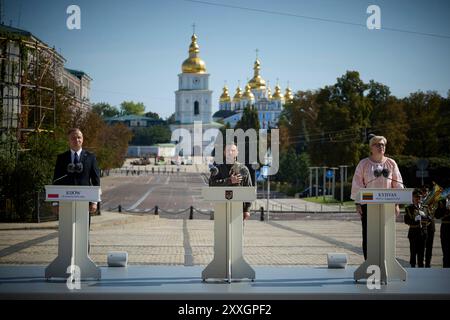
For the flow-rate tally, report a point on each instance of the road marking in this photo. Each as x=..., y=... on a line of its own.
x=137, y=203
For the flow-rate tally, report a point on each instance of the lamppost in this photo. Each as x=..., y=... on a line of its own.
x=268, y=163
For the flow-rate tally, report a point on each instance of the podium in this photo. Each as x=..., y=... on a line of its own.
x=73, y=232
x=228, y=262
x=381, y=232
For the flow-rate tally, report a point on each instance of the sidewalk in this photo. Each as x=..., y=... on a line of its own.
x=106, y=219
x=154, y=240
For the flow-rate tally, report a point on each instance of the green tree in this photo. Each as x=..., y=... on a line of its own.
x=105, y=110
x=423, y=112
x=298, y=122
x=249, y=119
x=171, y=119
x=342, y=118
x=444, y=127
x=109, y=143
x=151, y=135
x=293, y=168
x=130, y=107
x=388, y=117
x=152, y=115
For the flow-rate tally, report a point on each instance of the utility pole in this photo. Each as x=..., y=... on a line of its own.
x=310, y=180
x=334, y=181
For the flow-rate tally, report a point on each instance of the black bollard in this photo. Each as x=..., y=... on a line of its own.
x=156, y=210
x=120, y=208
x=262, y=213
x=191, y=213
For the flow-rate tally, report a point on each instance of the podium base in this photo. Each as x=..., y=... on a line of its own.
x=239, y=270
x=73, y=258
x=381, y=246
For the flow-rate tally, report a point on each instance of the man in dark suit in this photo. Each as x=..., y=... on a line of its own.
x=77, y=166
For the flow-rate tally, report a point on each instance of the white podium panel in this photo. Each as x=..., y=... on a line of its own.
x=73, y=231
x=381, y=233
x=228, y=262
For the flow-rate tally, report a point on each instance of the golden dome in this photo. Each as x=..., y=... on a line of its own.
x=238, y=95
x=193, y=64
x=257, y=82
x=277, y=95
x=225, y=97
x=269, y=91
x=248, y=95
x=288, y=96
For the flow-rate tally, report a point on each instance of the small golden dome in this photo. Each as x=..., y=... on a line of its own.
x=238, y=95
x=257, y=82
x=277, y=95
x=248, y=95
x=225, y=97
x=288, y=96
x=193, y=64
x=269, y=93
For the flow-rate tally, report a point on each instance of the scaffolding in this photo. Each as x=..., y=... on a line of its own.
x=29, y=74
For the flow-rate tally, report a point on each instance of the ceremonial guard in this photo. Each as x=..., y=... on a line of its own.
x=443, y=212
x=418, y=222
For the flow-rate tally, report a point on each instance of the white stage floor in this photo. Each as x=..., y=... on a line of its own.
x=184, y=283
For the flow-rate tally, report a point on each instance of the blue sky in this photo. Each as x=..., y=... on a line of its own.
x=133, y=49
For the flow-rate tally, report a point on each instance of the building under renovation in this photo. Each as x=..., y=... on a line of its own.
x=30, y=72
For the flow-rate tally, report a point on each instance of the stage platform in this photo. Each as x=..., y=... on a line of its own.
x=185, y=283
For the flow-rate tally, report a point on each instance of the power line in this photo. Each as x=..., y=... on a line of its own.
x=436, y=35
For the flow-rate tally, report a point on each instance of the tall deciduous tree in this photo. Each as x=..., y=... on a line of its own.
x=388, y=117
x=298, y=122
x=423, y=112
x=342, y=119
x=130, y=107
x=105, y=110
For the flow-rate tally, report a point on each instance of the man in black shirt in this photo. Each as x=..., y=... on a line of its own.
x=232, y=173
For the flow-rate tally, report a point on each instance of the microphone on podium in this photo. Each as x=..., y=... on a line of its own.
x=383, y=172
x=60, y=178
x=213, y=170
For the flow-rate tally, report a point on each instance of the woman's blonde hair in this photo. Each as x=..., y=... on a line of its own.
x=377, y=139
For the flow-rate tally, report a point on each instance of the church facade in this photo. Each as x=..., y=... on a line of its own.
x=256, y=95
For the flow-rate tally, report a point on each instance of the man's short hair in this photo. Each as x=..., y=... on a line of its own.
x=417, y=193
x=72, y=130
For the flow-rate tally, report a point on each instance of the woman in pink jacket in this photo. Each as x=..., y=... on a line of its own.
x=376, y=171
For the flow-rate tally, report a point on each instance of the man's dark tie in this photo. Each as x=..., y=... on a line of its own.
x=75, y=158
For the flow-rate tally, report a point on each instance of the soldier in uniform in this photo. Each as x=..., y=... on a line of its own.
x=431, y=228
x=418, y=221
x=232, y=173
x=443, y=212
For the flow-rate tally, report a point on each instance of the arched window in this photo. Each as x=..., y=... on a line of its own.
x=196, y=108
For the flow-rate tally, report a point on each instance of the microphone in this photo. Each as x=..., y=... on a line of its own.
x=383, y=172
x=236, y=169
x=75, y=167
x=401, y=182
x=60, y=178
x=213, y=170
